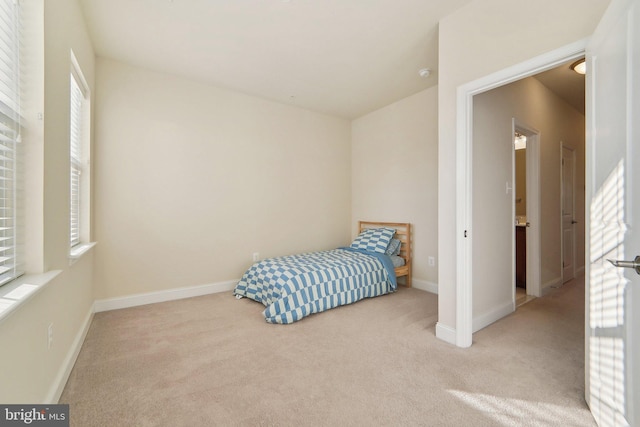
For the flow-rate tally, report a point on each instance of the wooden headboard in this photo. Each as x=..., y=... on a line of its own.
x=403, y=233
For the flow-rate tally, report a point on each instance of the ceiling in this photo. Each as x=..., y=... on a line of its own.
x=344, y=58
x=566, y=83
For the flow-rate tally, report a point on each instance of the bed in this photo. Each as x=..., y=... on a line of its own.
x=295, y=286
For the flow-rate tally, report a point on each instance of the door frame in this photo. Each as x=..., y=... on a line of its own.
x=533, y=286
x=464, y=172
x=573, y=251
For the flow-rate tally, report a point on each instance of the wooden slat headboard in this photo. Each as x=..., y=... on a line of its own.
x=403, y=233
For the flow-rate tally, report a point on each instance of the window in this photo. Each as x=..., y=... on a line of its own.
x=75, y=148
x=9, y=138
x=78, y=148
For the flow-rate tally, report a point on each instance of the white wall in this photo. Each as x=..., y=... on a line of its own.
x=31, y=372
x=394, y=173
x=479, y=39
x=530, y=102
x=191, y=180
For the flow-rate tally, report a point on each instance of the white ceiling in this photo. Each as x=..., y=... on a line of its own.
x=566, y=83
x=341, y=57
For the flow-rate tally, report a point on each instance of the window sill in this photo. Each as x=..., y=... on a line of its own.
x=17, y=292
x=79, y=250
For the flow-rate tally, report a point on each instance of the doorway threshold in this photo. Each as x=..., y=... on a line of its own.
x=522, y=300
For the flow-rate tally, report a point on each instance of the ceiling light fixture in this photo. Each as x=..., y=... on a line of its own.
x=424, y=72
x=580, y=66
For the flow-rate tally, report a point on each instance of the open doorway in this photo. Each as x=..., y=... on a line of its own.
x=469, y=317
x=526, y=200
x=531, y=108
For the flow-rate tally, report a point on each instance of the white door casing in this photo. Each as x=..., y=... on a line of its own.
x=534, y=275
x=464, y=154
x=568, y=164
x=612, y=365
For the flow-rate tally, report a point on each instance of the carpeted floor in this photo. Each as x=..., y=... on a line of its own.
x=213, y=361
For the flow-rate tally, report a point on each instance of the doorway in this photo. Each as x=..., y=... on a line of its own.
x=498, y=114
x=520, y=207
x=526, y=202
x=462, y=335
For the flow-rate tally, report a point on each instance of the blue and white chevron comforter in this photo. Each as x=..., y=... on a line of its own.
x=296, y=286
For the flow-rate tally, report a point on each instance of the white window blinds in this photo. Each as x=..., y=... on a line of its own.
x=9, y=137
x=75, y=144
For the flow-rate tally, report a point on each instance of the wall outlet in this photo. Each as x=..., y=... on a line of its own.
x=50, y=335
x=432, y=261
x=256, y=256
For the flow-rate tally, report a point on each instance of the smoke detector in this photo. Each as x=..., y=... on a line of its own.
x=424, y=72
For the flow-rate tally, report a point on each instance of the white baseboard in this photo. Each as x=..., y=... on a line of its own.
x=425, y=285
x=162, y=296
x=491, y=316
x=67, y=365
x=446, y=333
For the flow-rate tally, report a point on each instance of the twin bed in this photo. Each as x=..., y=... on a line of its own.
x=295, y=286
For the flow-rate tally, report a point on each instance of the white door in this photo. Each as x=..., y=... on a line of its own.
x=613, y=192
x=568, y=214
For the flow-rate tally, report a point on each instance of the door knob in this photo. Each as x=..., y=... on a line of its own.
x=573, y=221
x=635, y=264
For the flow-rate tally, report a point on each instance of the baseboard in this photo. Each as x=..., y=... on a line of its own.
x=446, y=333
x=162, y=296
x=67, y=365
x=491, y=316
x=425, y=285
x=549, y=285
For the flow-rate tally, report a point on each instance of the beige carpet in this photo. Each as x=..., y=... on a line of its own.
x=213, y=361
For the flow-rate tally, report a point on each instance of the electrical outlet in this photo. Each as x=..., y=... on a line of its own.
x=432, y=261
x=256, y=256
x=50, y=335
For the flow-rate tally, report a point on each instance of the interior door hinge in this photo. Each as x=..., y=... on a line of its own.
x=465, y=233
